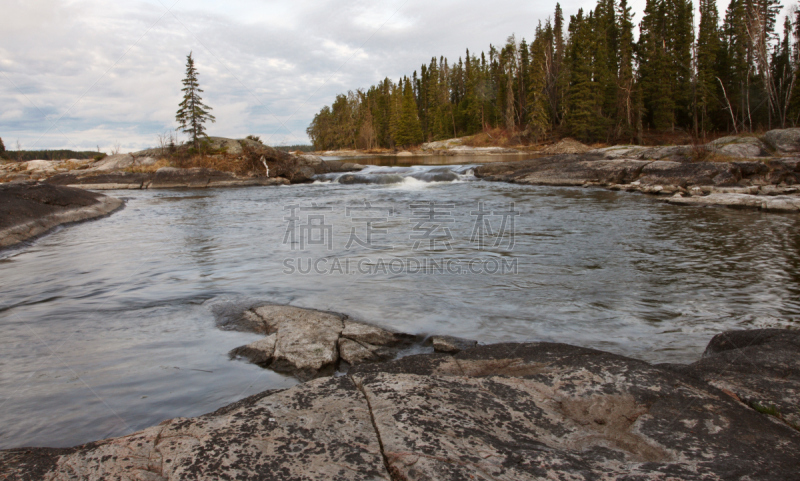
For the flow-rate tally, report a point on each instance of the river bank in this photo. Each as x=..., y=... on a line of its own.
x=505, y=411
x=30, y=210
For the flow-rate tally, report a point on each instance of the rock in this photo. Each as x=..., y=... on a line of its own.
x=782, y=203
x=355, y=353
x=762, y=368
x=685, y=174
x=114, y=163
x=738, y=146
x=566, y=146
x=365, y=333
x=451, y=345
x=673, y=152
x=228, y=146
x=549, y=411
x=441, y=144
x=405, y=153
x=319, y=431
x=468, y=150
x=362, y=343
x=621, y=152
x=261, y=352
x=41, y=165
x=29, y=210
x=784, y=140
x=507, y=411
x=564, y=170
x=307, y=343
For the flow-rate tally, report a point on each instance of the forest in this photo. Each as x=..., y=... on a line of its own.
x=592, y=80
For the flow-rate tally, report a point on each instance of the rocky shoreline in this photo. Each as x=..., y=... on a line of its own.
x=504, y=411
x=768, y=184
x=28, y=210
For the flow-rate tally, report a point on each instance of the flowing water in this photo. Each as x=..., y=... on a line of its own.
x=110, y=326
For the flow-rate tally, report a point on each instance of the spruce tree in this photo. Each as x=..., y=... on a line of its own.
x=582, y=119
x=625, y=81
x=538, y=115
x=409, y=131
x=193, y=113
x=708, y=44
x=655, y=70
x=2, y=148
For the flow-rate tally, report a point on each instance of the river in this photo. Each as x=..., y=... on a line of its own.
x=110, y=326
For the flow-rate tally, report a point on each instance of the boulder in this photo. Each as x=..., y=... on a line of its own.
x=41, y=165
x=306, y=340
x=738, y=146
x=451, y=345
x=784, y=140
x=307, y=343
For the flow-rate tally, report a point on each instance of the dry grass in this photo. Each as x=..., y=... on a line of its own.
x=147, y=169
x=492, y=138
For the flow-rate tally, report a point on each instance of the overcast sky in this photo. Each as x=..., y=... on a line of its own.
x=84, y=73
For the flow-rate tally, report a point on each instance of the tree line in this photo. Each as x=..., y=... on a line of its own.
x=589, y=79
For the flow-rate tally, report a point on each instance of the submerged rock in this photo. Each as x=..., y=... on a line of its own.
x=507, y=411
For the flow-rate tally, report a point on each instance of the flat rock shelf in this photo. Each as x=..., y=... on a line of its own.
x=504, y=411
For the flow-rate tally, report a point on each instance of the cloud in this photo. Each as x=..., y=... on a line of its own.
x=82, y=73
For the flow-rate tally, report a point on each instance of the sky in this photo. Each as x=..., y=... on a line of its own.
x=89, y=75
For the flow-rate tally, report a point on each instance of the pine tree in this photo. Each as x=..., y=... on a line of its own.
x=2, y=148
x=193, y=113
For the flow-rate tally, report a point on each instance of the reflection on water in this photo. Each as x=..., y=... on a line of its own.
x=108, y=326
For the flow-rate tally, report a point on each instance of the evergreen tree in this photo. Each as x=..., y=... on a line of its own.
x=625, y=80
x=409, y=131
x=655, y=72
x=582, y=119
x=538, y=117
x=2, y=148
x=708, y=45
x=193, y=113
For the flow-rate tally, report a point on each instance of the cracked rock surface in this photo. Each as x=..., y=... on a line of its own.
x=501, y=412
